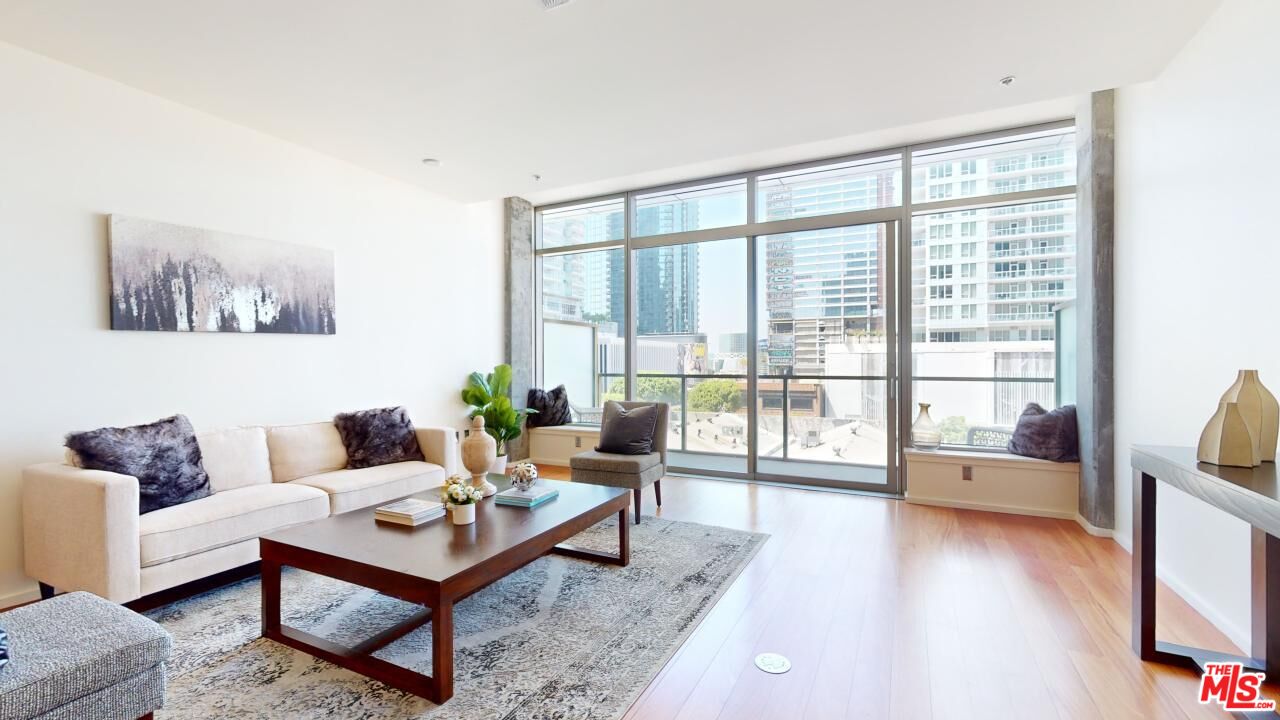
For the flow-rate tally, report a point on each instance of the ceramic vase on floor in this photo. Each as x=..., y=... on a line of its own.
x=924, y=431
x=1227, y=439
x=1259, y=409
x=478, y=452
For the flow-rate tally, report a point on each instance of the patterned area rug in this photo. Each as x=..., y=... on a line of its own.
x=559, y=638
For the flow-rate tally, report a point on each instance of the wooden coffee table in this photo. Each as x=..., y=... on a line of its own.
x=434, y=565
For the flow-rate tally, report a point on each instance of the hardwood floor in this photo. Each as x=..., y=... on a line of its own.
x=890, y=610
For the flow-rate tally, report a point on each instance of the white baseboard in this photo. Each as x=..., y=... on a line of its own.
x=1008, y=509
x=1238, y=635
x=1094, y=529
x=19, y=598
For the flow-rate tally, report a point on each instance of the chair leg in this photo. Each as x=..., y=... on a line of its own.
x=46, y=591
x=657, y=491
x=636, y=492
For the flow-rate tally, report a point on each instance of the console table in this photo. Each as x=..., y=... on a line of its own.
x=1251, y=494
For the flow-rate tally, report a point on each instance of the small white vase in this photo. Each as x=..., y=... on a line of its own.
x=499, y=465
x=924, y=432
x=463, y=514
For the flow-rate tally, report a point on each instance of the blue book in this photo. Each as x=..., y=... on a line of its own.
x=501, y=500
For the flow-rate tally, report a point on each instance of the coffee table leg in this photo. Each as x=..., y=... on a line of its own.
x=624, y=538
x=270, y=599
x=442, y=649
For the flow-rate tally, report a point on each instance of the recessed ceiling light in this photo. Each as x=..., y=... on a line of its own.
x=431, y=162
x=1008, y=80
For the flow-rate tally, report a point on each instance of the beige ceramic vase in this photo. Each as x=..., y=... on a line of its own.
x=1259, y=409
x=1227, y=439
x=478, y=451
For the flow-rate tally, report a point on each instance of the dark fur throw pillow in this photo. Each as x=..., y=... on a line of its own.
x=378, y=437
x=552, y=407
x=164, y=456
x=1048, y=435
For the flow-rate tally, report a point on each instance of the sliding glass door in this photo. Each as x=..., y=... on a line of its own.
x=823, y=384
x=691, y=349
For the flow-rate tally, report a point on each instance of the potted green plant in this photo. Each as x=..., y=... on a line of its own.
x=489, y=396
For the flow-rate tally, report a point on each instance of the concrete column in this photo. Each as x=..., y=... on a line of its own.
x=517, y=230
x=1095, y=293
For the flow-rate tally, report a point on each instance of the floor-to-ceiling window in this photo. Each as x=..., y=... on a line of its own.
x=987, y=273
x=790, y=316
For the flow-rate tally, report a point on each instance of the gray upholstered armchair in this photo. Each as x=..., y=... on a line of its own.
x=627, y=471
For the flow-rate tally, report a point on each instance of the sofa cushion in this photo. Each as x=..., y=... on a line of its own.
x=301, y=450
x=235, y=458
x=378, y=437
x=609, y=462
x=225, y=518
x=618, y=479
x=164, y=456
x=353, y=489
x=71, y=646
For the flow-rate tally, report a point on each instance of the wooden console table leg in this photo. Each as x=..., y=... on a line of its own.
x=1144, y=566
x=1266, y=601
x=442, y=650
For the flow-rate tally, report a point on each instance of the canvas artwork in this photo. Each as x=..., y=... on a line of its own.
x=184, y=279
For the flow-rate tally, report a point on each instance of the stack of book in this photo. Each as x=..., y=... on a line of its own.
x=410, y=511
x=531, y=498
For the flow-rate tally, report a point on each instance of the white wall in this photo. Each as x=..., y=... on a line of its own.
x=1197, y=253
x=418, y=291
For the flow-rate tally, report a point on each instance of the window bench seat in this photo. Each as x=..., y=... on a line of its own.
x=998, y=482
x=555, y=445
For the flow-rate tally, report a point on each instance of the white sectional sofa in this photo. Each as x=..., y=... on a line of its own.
x=82, y=529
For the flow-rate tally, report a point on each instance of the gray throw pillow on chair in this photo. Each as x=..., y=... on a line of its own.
x=627, y=432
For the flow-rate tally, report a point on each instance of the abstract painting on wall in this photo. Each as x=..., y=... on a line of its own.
x=183, y=279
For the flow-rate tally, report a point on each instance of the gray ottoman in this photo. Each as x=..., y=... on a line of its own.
x=79, y=657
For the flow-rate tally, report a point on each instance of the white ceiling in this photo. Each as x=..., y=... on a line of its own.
x=501, y=89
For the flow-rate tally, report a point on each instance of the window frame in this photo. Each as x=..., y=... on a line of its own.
x=903, y=212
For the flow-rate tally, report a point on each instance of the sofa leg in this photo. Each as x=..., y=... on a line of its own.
x=657, y=491
x=46, y=591
x=637, y=494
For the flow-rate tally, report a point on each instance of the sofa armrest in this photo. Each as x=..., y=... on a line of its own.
x=80, y=530
x=440, y=446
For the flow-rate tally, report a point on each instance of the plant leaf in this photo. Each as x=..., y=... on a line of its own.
x=500, y=380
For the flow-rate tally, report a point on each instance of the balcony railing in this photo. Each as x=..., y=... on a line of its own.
x=1031, y=272
x=1030, y=251
x=1028, y=230
x=1020, y=316
x=787, y=431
